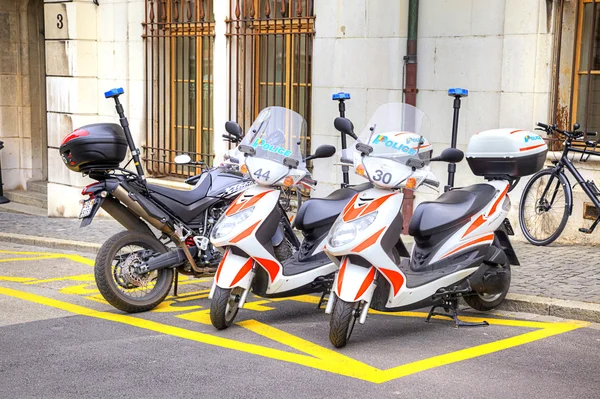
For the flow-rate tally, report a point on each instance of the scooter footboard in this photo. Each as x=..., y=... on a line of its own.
x=354, y=282
x=234, y=271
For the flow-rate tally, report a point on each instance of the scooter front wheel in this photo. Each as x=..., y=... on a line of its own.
x=224, y=306
x=342, y=322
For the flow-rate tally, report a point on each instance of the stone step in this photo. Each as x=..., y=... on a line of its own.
x=28, y=198
x=38, y=186
x=15, y=207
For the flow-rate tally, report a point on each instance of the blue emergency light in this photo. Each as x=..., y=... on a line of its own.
x=114, y=92
x=341, y=96
x=458, y=92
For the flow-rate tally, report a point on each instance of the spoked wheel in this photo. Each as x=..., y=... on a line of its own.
x=485, y=302
x=224, y=306
x=343, y=319
x=543, y=211
x=116, y=276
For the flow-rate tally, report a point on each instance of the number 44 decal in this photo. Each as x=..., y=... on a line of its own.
x=260, y=175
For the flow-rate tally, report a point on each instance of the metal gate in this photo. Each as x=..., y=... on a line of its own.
x=179, y=37
x=270, y=57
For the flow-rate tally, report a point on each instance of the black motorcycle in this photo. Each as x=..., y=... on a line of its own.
x=167, y=229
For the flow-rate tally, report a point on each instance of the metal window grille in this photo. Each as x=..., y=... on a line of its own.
x=179, y=37
x=270, y=58
x=586, y=98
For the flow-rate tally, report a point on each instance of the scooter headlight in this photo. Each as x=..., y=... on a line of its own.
x=344, y=232
x=226, y=224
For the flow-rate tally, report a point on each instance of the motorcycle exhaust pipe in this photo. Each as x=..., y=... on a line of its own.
x=170, y=259
x=122, y=195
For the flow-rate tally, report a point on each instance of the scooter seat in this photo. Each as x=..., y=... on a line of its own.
x=318, y=212
x=450, y=210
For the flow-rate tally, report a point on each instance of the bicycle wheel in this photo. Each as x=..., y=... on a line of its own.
x=544, y=209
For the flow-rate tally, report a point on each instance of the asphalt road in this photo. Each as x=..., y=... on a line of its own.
x=58, y=339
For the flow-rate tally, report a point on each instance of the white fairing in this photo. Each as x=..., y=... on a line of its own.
x=369, y=224
x=235, y=271
x=266, y=172
x=479, y=232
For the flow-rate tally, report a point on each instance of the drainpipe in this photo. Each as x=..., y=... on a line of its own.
x=410, y=91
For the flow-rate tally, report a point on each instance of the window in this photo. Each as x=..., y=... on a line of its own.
x=586, y=99
x=179, y=38
x=270, y=57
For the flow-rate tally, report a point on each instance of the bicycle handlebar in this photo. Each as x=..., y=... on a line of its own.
x=572, y=135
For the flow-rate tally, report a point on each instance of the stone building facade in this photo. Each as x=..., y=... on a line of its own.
x=187, y=66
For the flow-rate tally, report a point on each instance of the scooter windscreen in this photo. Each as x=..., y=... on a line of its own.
x=391, y=151
x=273, y=147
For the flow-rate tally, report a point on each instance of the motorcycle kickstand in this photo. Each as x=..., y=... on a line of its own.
x=451, y=308
x=176, y=283
x=321, y=300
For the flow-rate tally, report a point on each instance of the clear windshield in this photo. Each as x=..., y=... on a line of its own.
x=276, y=134
x=395, y=131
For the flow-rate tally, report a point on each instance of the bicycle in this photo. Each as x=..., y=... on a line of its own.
x=547, y=200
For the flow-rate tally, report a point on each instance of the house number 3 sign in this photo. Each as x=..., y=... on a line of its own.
x=59, y=21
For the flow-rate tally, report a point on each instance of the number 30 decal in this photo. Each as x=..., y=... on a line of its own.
x=385, y=178
x=260, y=175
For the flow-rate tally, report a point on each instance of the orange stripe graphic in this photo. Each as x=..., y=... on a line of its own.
x=395, y=278
x=245, y=233
x=238, y=206
x=270, y=266
x=366, y=284
x=488, y=237
x=243, y=271
x=368, y=242
x=531, y=148
x=341, y=275
x=498, y=201
x=221, y=264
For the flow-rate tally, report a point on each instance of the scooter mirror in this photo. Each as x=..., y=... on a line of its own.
x=453, y=155
x=345, y=126
x=234, y=129
x=183, y=159
x=324, y=151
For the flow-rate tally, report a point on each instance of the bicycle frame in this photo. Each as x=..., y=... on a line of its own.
x=559, y=169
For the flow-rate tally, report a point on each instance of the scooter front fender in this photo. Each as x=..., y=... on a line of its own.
x=354, y=282
x=234, y=271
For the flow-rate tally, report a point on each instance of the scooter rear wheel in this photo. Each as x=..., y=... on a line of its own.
x=342, y=321
x=224, y=306
x=485, y=302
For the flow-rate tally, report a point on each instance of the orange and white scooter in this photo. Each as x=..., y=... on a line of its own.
x=255, y=233
x=461, y=246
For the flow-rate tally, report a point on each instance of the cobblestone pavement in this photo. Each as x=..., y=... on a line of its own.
x=67, y=229
x=557, y=271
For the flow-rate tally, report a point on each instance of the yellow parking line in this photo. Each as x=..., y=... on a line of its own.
x=259, y=350
x=16, y=279
x=314, y=356
x=30, y=258
x=480, y=350
x=79, y=277
x=3, y=251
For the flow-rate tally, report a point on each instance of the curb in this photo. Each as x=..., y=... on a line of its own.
x=55, y=243
x=563, y=308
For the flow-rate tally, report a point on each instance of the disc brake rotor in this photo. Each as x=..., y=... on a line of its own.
x=126, y=275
